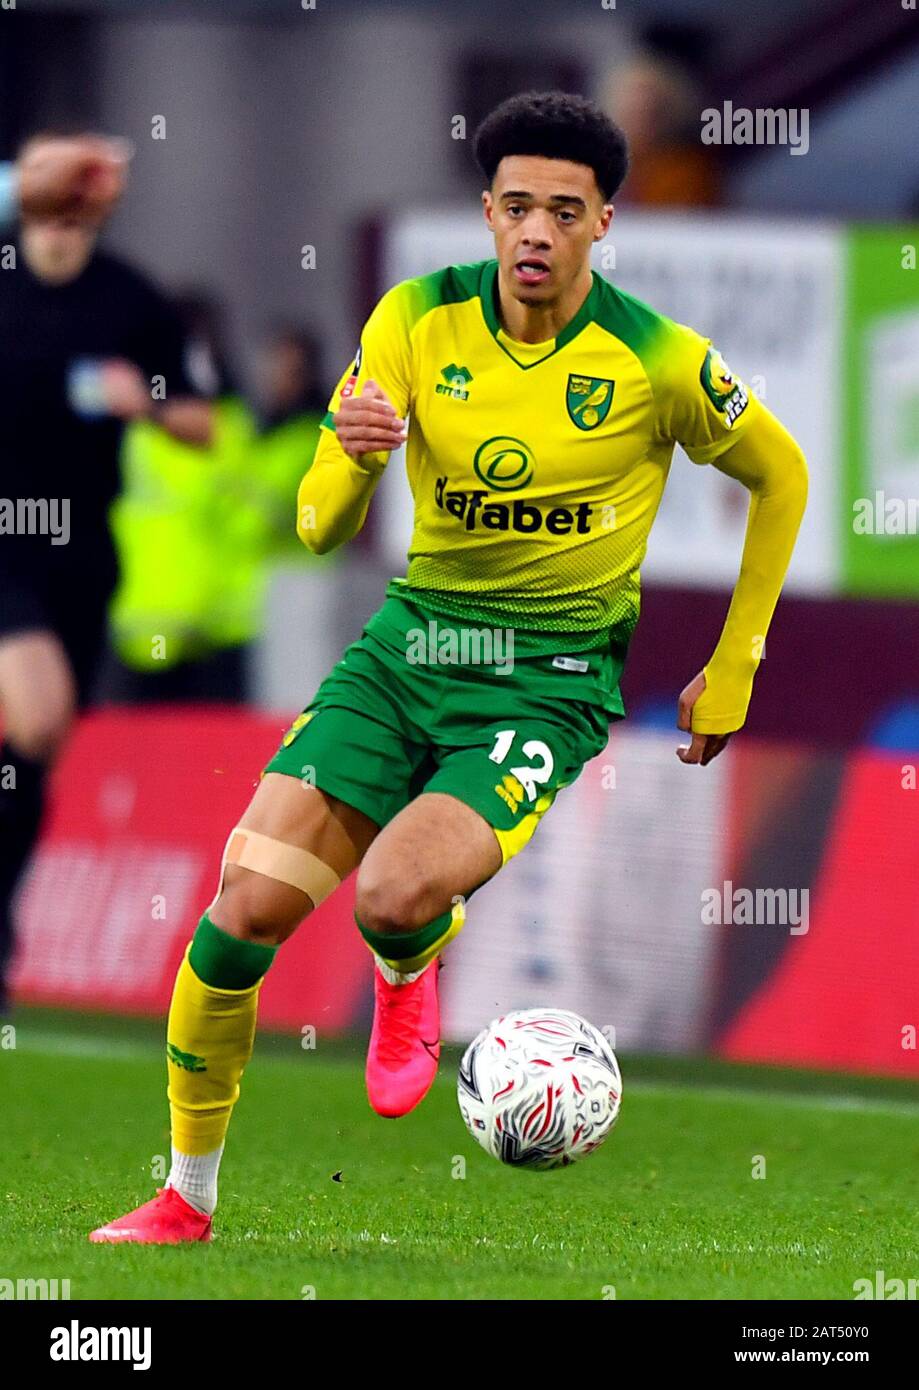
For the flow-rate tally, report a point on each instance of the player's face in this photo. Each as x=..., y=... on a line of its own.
x=545, y=214
x=56, y=248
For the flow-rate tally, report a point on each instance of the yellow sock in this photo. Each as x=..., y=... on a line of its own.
x=210, y=1034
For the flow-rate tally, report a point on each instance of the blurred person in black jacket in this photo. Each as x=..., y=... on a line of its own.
x=88, y=344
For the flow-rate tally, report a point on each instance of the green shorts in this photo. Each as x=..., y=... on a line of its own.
x=412, y=708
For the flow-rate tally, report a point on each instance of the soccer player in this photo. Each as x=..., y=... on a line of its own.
x=540, y=406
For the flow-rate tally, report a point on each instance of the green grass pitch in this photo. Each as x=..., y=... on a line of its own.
x=668, y=1209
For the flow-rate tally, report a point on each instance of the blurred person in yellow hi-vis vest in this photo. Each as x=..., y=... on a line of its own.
x=291, y=405
x=197, y=535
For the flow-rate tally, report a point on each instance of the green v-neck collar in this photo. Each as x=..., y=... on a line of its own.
x=488, y=293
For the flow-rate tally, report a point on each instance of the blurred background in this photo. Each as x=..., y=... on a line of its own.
x=290, y=163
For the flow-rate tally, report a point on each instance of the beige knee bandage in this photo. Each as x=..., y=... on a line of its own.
x=286, y=863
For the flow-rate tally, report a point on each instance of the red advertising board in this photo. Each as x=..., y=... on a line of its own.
x=601, y=913
x=846, y=993
x=141, y=807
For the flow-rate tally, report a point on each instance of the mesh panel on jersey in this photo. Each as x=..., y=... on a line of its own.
x=583, y=588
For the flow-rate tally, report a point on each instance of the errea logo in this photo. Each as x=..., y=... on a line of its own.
x=455, y=381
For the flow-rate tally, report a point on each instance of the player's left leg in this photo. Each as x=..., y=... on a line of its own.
x=409, y=903
x=481, y=807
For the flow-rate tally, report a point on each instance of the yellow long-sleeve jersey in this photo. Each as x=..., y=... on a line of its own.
x=537, y=468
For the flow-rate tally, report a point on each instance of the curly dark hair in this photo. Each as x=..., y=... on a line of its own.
x=556, y=125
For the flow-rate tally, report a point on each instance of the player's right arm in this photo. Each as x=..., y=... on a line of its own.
x=366, y=421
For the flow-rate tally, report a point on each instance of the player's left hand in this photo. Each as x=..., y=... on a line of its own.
x=703, y=747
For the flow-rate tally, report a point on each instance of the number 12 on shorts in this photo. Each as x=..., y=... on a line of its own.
x=529, y=777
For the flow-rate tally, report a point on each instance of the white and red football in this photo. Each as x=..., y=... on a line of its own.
x=539, y=1088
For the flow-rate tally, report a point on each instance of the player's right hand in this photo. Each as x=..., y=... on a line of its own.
x=79, y=176
x=368, y=423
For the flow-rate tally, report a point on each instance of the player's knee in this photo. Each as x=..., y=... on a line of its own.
x=391, y=902
x=255, y=908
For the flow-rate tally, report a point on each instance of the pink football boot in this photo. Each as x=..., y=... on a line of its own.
x=404, y=1044
x=165, y=1220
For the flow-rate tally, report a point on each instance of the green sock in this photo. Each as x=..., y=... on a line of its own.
x=223, y=961
x=404, y=945
x=413, y=950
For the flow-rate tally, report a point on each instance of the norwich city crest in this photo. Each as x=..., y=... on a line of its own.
x=588, y=399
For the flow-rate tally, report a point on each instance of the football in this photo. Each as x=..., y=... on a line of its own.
x=539, y=1088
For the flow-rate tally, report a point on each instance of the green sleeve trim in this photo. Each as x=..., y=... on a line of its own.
x=631, y=320
x=454, y=284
